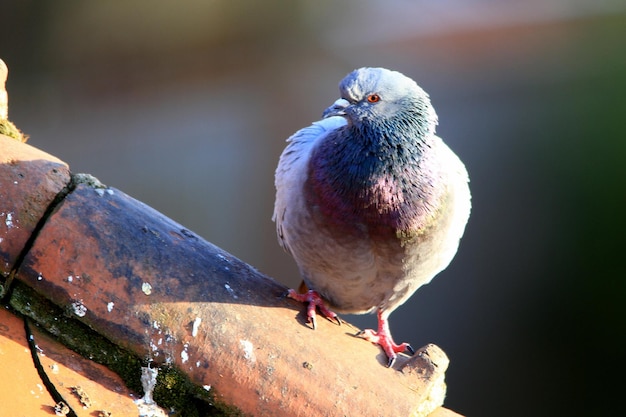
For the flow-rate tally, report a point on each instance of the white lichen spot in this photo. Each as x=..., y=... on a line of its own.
x=79, y=309
x=230, y=291
x=207, y=387
x=149, y=410
x=196, y=325
x=198, y=363
x=54, y=368
x=39, y=276
x=110, y=306
x=248, y=350
x=9, y=220
x=148, y=382
x=184, y=354
x=70, y=278
x=1, y=239
x=146, y=288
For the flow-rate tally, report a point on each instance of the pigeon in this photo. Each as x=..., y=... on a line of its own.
x=370, y=203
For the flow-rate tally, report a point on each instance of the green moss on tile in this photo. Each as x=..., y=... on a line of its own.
x=174, y=390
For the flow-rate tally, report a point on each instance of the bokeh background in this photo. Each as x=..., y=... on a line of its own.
x=186, y=106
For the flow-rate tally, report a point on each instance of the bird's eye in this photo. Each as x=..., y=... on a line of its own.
x=373, y=98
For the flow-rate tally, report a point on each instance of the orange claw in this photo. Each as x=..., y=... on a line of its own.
x=313, y=299
x=383, y=338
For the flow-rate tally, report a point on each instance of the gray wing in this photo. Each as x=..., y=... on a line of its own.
x=291, y=172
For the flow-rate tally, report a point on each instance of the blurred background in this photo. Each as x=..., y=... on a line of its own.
x=186, y=106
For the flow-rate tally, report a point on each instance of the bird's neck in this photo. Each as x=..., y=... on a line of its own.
x=368, y=176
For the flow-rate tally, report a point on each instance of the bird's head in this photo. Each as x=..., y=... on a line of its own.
x=378, y=95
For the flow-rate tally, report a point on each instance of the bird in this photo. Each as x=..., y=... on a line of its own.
x=370, y=202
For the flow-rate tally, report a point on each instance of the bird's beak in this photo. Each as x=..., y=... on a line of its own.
x=337, y=109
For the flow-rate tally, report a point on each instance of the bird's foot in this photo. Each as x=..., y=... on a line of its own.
x=383, y=338
x=314, y=300
x=386, y=343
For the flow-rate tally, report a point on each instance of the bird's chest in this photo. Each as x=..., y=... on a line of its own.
x=383, y=194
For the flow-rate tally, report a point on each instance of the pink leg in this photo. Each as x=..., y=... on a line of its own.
x=313, y=299
x=383, y=338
